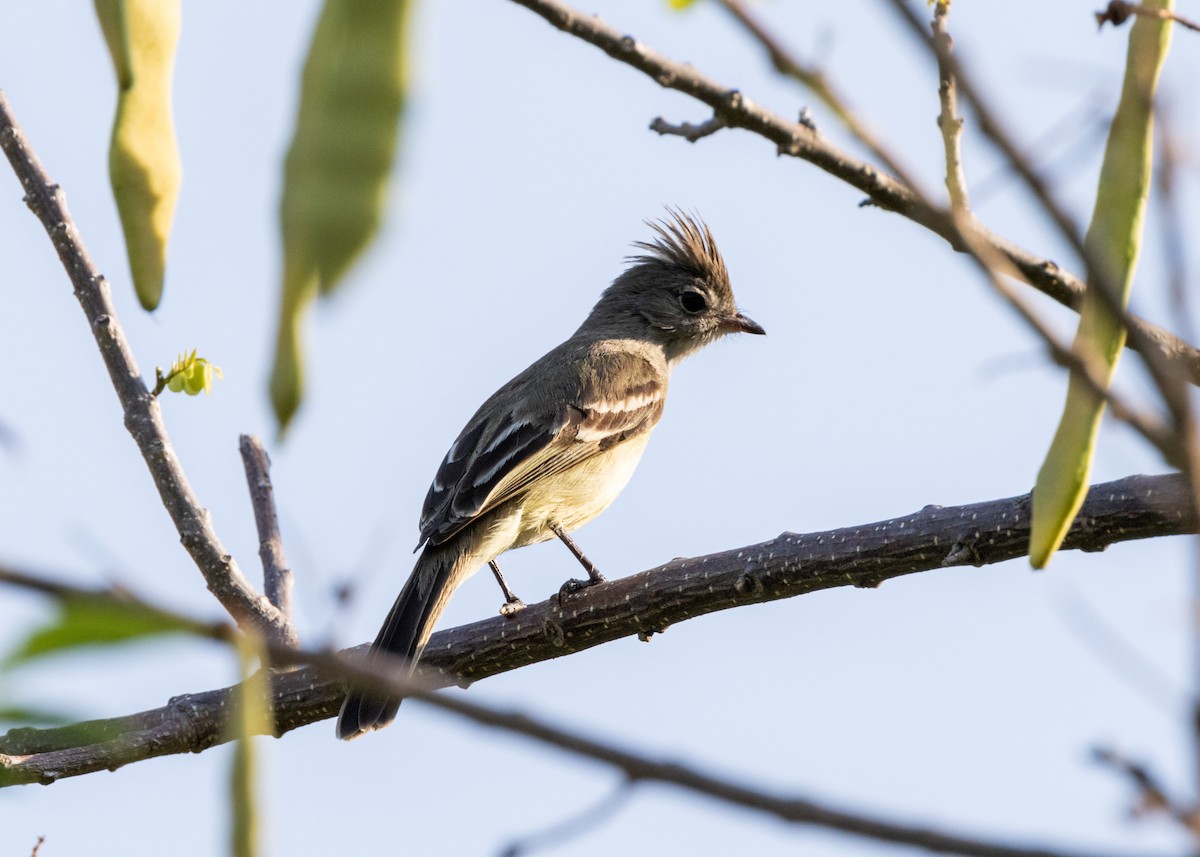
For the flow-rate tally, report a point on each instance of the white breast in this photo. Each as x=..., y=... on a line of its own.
x=574, y=497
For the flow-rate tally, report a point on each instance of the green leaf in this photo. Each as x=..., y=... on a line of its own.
x=335, y=175
x=679, y=5
x=100, y=620
x=1113, y=242
x=189, y=374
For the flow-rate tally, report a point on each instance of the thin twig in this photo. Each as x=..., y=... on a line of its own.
x=1152, y=796
x=970, y=239
x=798, y=140
x=277, y=577
x=143, y=417
x=949, y=122
x=567, y=830
x=1159, y=359
x=687, y=130
x=815, y=81
x=1160, y=436
x=1118, y=12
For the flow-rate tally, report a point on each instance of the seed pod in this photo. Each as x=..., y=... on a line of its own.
x=1113, y=242
x=143, y=159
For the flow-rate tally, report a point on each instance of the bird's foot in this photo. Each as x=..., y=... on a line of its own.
x=511, y=608
x=575, y=585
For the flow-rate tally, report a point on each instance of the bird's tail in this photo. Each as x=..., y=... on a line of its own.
x=438, y=572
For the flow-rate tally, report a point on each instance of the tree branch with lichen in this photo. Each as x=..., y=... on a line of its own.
x=642, y=605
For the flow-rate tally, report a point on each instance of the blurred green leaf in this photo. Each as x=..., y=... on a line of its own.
x=335, y=175
x=27, y=716
x=250, y=715
x=99, y=620
x=1113, y=242
x=680, y=4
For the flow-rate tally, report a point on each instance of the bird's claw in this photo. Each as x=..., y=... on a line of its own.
x=575, y=585
x=511, y=608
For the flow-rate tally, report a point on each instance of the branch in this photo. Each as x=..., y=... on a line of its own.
x=392, y=676
x=948, y=121
x=277, y=577
x=1151, y=795
x=687, y=130
x=642, y=604
x=143, y=417
x=1117, y=12
x=798, y=140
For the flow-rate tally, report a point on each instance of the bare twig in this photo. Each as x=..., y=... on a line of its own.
x=801, y=141
x=970, y=239
x=790, y=565
x=37, y=846
x=584, y=821
x=143, y=418
x=1118, y=12
x=1172, y=231
x=1152, y=796
x=1160, y=361
x=949, y=122
x=1082, y=128
x=815, y=81
x=687, y=130
x=277, y=577
x=1160, y=436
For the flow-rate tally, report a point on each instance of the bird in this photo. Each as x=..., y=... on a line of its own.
x=552, y=448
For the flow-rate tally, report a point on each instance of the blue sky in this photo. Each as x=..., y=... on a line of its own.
x=891, y=378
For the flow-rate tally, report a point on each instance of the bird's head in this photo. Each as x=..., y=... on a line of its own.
x=677, y=289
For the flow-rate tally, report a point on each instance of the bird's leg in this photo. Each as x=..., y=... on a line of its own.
x=512, y=604
x=573, y=585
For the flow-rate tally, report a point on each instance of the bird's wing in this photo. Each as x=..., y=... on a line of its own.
x=505, y=450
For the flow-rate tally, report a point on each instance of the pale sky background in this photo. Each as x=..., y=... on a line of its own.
x=891, y=378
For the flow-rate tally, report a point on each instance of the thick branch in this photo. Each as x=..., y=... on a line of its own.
x=649, y=602
x=801, y=141
x=143, y=418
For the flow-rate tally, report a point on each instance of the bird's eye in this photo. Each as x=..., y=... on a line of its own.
x=693, y=302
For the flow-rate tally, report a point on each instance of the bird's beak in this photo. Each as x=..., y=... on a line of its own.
x=741, y=324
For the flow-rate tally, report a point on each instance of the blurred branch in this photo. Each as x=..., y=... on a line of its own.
x=392, y=675
x=799, y=140
x=1118, y=12
x=584, y=821
x=1169, y=375
x=814, y=80
x=1152, y=797
x=143, y=417
x=972, y=241
x=687, y=130
x=277, y=577
x=649, y=602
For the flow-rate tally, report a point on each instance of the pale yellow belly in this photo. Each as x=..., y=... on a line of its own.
x=573, y=498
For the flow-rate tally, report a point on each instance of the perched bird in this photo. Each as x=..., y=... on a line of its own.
x=552, y=448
